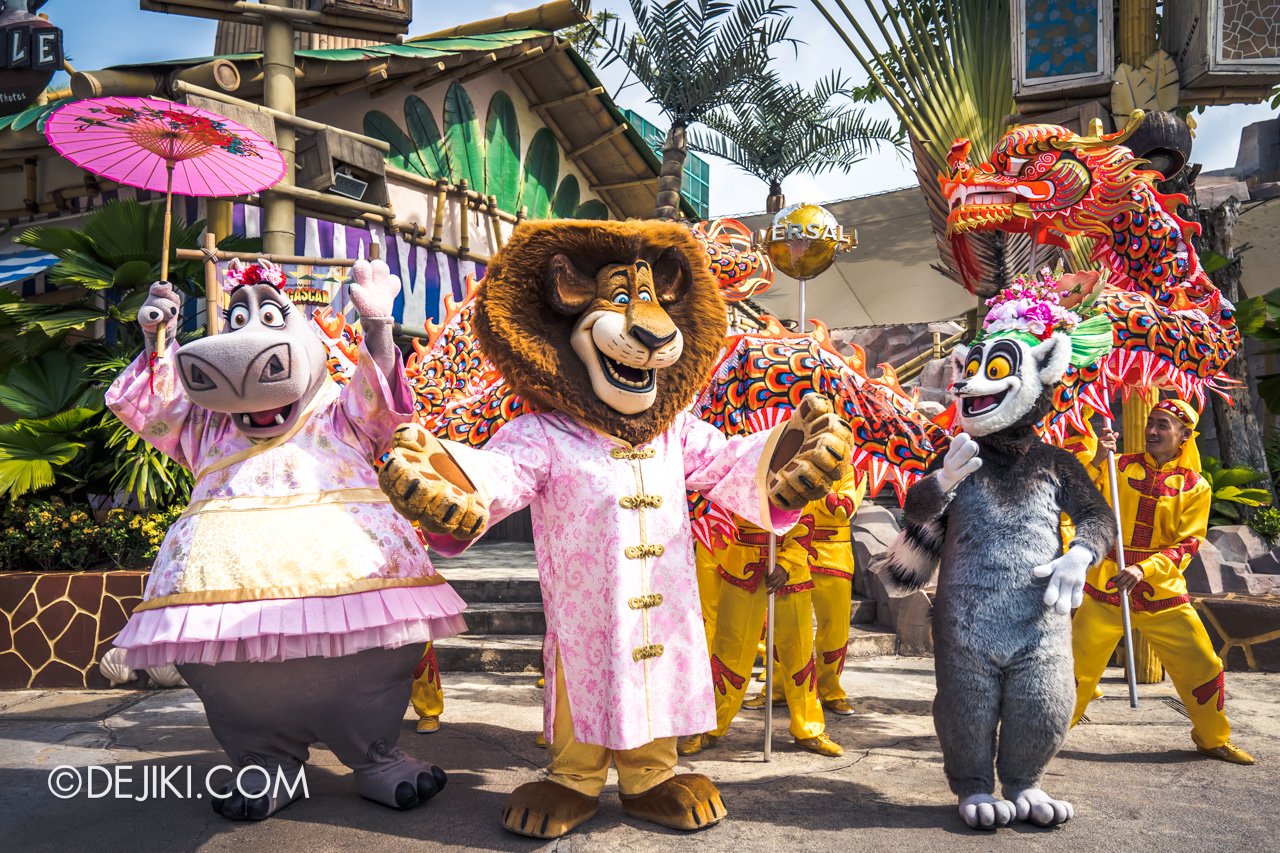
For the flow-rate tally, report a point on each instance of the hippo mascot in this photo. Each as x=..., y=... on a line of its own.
x=292, y=597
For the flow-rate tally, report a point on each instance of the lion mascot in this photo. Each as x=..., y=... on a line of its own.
x=609, y=330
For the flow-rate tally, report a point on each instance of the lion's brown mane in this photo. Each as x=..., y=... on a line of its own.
x=528, y=340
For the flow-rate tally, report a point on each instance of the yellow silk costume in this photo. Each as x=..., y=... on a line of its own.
x=830, y=552
x=739, y=615
x=1164, y=510
x=427, y=694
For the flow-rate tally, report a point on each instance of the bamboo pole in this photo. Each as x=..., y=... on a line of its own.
x=212, y=287
x=1137, y=37
x=253, y=257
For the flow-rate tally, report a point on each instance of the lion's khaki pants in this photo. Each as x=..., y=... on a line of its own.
x=583, y=767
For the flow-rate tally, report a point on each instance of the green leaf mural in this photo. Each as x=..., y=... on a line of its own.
x=566, y=203
x=541, y=170
x=403, y=153
x=502, y=152
x=491, y=164
x=426, y=137
x=593, y=209
x=462, y=137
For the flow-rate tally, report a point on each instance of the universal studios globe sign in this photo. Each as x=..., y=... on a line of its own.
x=804, y=239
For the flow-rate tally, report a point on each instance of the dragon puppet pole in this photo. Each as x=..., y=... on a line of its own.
x=1125, y=620
x=768, y=622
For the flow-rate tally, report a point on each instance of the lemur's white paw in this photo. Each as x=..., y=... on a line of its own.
x=983, y=811
x=1039, y=808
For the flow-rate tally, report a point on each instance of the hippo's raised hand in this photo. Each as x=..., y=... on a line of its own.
x=159, y=309
x=425, y=485
x=374, y=290
x=813, y=453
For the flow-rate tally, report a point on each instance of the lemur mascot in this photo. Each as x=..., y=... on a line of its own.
x=991, y=512
x=609, y=329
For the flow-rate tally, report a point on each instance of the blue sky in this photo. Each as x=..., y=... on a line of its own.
x=100, y=33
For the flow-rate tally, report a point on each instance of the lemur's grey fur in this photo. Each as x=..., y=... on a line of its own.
x=1002, y=657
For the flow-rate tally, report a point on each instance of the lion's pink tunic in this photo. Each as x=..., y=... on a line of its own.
x=291, y=550
x=635, y=669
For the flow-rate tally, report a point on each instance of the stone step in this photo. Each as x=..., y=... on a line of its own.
x=868, y=641
x=504, y=617
x=493, y=572
x=490, y=653
x=864, y=611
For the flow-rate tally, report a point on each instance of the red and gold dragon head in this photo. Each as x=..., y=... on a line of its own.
x=1042, y=176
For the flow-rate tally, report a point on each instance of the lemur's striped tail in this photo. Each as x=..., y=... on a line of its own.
x=914, y=554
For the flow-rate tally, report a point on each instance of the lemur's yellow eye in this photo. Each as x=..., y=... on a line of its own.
x=971, y=369
x=998, y=368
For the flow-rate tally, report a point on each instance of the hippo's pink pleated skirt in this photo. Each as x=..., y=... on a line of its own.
x=285, y=629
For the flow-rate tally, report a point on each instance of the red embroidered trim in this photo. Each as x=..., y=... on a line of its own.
x=1137, y=598
x=796, y=587
x=721, y=674
x=835, y=573
x=1217, y=684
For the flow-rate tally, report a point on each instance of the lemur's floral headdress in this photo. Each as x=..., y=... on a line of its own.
x=263, y=272
x=1034, y=309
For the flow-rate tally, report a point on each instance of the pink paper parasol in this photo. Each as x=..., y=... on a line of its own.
x=159, y=145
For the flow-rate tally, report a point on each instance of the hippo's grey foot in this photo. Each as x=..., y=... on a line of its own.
x=234, y=805
x=401, y=784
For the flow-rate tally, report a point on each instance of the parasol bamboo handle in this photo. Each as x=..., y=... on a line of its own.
x=168, y=219
x=159, y=350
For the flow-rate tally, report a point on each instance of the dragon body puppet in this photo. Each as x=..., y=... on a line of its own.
x=1171, y=326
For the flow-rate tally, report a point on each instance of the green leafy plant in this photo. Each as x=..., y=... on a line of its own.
x=695, y=57
x=1266, y=523
x=57, y=405
x=488, y=158
x=42, y=535
x=1230, y=496
x=1259, y=318
x=109, y=262
x=47, y=536
x=131, y=539
x=783, y=130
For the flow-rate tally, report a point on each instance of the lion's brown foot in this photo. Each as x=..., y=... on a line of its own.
x=546, y=810
x=689, y=801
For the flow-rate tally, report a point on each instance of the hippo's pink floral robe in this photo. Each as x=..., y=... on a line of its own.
x=288, y=548
x=615, y=559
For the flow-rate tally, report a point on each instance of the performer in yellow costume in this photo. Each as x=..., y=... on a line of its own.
x=427, y=694
x=1164, y=511
x=823, y=532
x=738, y=615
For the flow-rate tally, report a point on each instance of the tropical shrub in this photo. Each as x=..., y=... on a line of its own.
x=1230, y=498
x=1266, y=523
x=110, y=262
x=43, y=535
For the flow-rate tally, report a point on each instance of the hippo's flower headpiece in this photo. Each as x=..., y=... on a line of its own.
x=263, y=272
x=1034, y=309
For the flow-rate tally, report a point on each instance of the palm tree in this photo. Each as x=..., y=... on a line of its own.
x=695, y=57
x=784, y=129
x=945, y=72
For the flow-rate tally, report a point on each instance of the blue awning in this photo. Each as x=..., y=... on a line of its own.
x=20, y=264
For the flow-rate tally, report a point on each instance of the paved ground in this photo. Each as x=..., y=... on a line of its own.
x=1134, y=780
